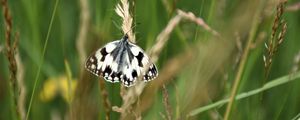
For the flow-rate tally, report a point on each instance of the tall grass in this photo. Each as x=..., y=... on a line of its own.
x=209, y=54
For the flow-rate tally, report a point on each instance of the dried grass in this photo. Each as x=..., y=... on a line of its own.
x=293, y=8
x=83, y=91
x=276, y=38
x=1, y=48
x=105, y=100
x=11, y=50
x=21, y=85
x=122, y=9
x=83, y=30
x=163, y=37
x=167, y=103
x=242, y=63
x=296, y=63
x=131, y=95
x=169, y=71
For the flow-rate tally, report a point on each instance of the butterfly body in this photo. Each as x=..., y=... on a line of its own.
x=122, y=61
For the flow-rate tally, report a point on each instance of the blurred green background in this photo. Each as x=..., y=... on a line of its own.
x=197, y=67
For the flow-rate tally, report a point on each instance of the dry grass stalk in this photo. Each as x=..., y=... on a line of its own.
x=293, y=8
x=83, y=30
x=122, y=9
x=169, y=71
x=239, y=47
x=167, y=103
x=169, y=6
x=163, y=116
x=164, y=35
x=1, y=48
x=83, y=90
x=296, y=63
x=10, y=54
x=132, y=94
x=83, y=94
x=276, y=38
x=21, y=85
x=243, y=61
x=199, y=21
x=105, y=100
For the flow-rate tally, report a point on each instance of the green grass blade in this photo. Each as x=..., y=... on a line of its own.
x=69, y=76
x=297, y=117
x=42, y=59
x=267, y=86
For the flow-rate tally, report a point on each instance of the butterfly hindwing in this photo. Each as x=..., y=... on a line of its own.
x=129, y=77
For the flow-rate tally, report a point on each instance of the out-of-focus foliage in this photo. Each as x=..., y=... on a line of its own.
x=204, y=78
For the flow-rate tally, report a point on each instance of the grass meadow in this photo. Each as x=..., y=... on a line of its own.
x=217, y=59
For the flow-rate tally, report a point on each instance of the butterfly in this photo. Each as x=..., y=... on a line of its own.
x=123, y=61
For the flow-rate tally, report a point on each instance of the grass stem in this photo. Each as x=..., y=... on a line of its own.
x=273, y=83
x=242, y=64
x=42, y=59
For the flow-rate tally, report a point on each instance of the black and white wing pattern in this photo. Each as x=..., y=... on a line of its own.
x=121, y=61
x=101, y=63
x=141, y=61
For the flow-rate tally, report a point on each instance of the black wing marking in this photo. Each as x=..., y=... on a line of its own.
x=101, y=63
x=140, y=61
x=129, y=75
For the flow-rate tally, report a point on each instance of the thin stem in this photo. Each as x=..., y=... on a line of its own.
x=10, y=54
x=83, y=30
x=42, y=59
x=273, y=83
x=242, y=64
x=167, y=103
x=105, y=100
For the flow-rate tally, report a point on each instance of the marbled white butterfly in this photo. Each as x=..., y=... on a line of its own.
x=122, y=61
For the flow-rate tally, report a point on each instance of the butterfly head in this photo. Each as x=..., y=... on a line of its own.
x=125, y=38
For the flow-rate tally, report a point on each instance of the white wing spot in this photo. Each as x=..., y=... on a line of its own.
x=135, y=50
x=109, y=47
x=114, y=67
x=145, y=61
x=107, y=62
x=93, y=66
x=98, y=57
x=92, y=59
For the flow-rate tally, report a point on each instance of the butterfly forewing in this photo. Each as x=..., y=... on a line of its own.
x=140, y=62
x=101, y=63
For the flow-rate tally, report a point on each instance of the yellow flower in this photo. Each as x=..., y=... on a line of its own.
x=58, y=86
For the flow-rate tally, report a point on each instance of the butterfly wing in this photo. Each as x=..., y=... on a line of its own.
x=101, y=63
x=140, y=62
x=119, y=61
x=129, y=72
